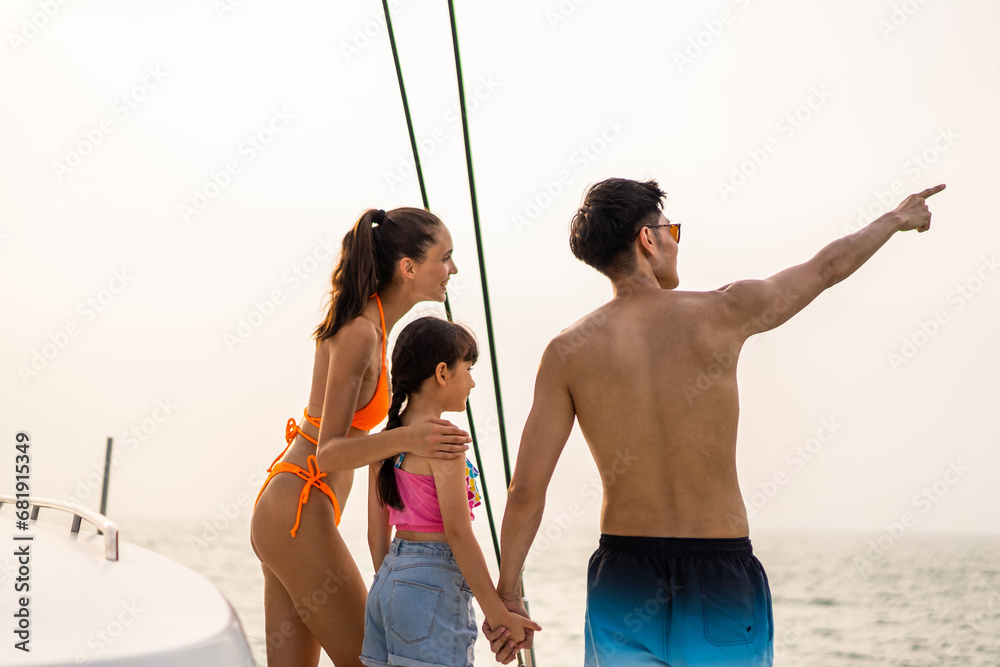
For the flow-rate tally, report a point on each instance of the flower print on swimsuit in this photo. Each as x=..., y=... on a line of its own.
x=472, y=475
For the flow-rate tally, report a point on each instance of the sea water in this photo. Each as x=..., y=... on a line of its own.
x=839, y=599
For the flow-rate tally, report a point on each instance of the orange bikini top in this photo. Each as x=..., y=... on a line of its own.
x=377, y=409
x=367, y=417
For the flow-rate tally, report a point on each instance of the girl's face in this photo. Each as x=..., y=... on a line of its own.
x=432, y=274
x=459, y=384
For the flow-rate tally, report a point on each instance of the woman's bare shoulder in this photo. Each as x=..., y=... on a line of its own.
x=351, y=349
x=358, y=337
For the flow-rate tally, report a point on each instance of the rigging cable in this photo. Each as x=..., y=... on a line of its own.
x=486, y=295
x=447, y=304
x=482, y=273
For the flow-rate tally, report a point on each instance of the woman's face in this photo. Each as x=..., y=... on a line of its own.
x=431, y=275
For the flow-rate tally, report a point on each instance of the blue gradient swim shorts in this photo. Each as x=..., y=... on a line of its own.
x=682, y=602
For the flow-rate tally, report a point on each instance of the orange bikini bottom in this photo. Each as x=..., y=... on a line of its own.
x=312, y=477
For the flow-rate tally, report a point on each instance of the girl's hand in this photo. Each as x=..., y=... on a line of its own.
x=438, y=438
x=518, y=626
x=500, y=640
x=500, y=643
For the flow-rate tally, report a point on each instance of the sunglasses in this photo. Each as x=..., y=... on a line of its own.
x=674, y=227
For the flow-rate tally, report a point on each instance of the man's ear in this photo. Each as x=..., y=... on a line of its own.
x=647, y=239
x=441, y=374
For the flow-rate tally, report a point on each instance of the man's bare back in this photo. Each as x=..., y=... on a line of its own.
x=667, y=455
x=651, y=377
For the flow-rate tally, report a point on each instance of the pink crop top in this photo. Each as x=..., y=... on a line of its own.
x=421, y=512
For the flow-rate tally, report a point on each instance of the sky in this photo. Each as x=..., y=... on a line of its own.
x=175, y=180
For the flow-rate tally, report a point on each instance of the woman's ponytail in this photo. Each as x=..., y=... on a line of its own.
x=368, y=258
x=386, y=487
x=355, y=278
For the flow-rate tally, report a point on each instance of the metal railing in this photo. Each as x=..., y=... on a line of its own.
x=103, y=524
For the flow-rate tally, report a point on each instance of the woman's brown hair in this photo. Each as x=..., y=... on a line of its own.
x=368, y=259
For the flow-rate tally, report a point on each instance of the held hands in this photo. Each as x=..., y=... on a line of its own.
x=438, y=438
x=504, y=642
x=520, y=627
x=913, y=212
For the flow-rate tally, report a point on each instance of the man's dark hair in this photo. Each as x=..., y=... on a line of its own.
x=613, y=211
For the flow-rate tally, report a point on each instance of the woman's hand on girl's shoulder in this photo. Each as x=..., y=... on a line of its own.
x=437, y=438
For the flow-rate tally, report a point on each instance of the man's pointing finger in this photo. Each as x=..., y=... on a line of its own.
x=931, y=191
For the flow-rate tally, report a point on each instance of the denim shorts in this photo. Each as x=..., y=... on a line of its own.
x=419, y=611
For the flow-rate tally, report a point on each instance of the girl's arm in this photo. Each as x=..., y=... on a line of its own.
x=449, y=481
x=379, y=530
x=351, y=352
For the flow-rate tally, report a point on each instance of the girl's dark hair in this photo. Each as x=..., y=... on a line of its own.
x=613, y=211
x=368, y=259
x=420, y=347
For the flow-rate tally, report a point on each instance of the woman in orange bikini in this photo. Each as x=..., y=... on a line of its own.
x=314, y=595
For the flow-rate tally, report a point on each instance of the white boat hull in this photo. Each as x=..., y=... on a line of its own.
x=141, y=610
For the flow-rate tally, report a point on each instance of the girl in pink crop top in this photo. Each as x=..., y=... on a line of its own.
x=430, y=502
x=421, y=512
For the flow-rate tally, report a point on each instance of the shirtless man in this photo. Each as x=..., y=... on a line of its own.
x=674, y=580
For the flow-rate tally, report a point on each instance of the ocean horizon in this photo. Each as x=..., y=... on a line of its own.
x=839, y=598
